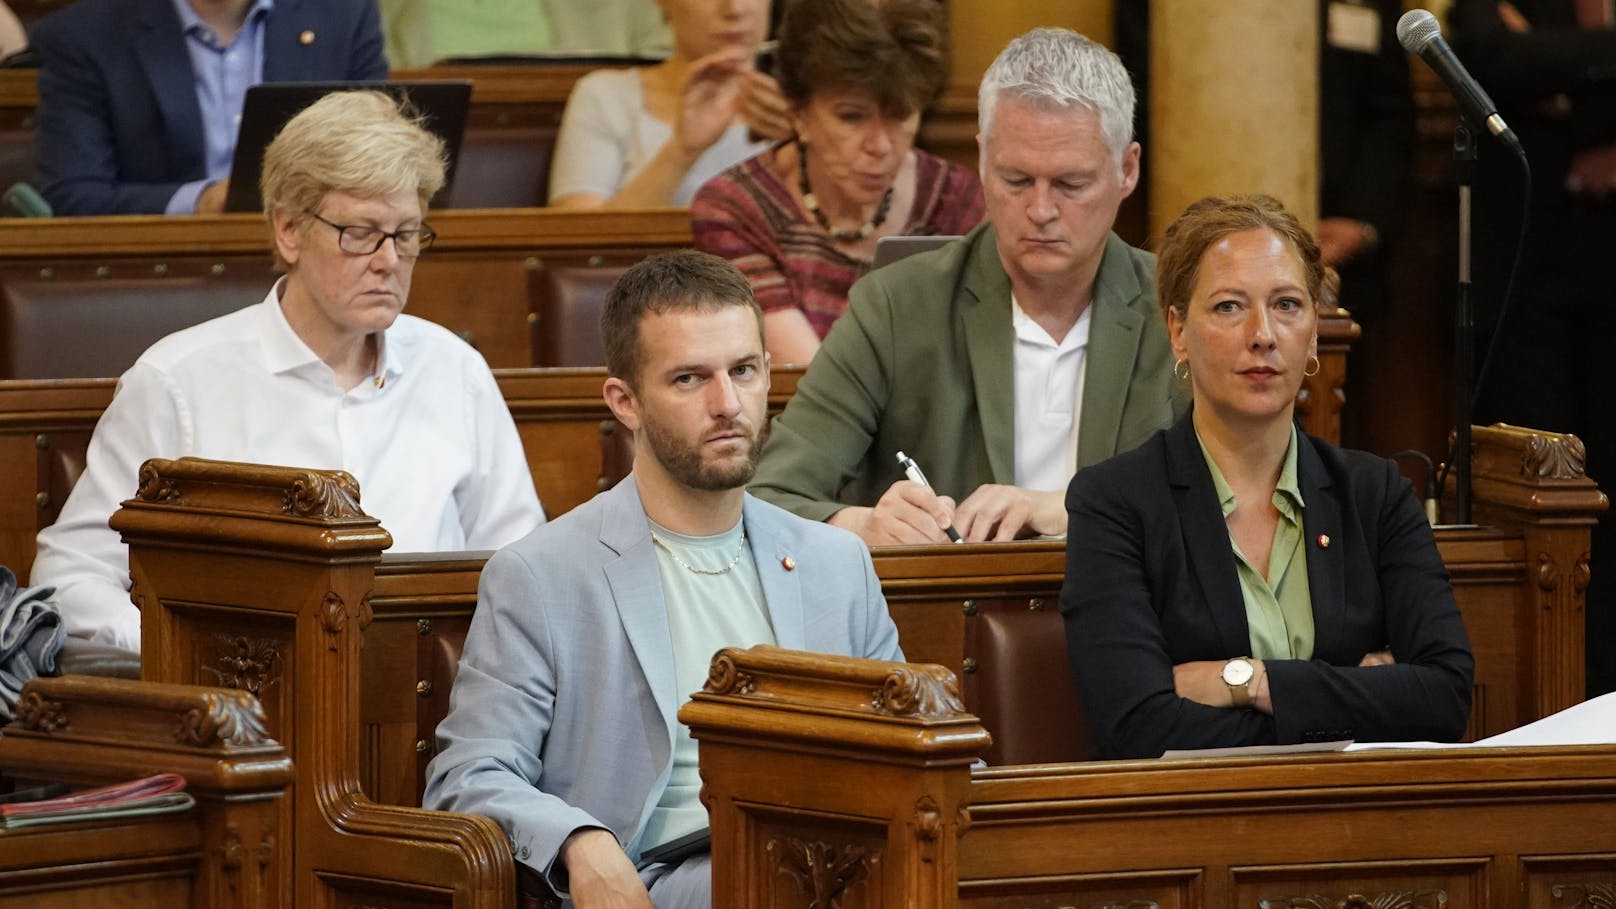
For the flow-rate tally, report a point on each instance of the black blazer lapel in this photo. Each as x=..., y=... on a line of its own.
x=1206, y=537
x=285, y=56
x=167, y=64
x=1326, y=564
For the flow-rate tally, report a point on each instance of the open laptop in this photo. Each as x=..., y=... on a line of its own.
x=269, y=105
x=890, y=249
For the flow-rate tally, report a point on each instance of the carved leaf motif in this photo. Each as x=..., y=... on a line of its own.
x=366, y=613
x=333, y=614
x=1585, y=896
x=38, y=714
x=1388, y=899
x=1548, y=573
x=237, y=720
x=724, y=678
x=1554, y=458
x=154, y=487
x=912, y=691
x=928, y=820
x=324, y=494
x=250, y=665
x=824, y=871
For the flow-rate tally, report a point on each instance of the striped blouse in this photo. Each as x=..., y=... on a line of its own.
x=748, y=216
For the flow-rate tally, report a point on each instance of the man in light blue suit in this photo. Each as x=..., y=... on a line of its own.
x=592, y=631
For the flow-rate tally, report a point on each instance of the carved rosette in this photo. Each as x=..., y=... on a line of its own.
x=1579, y=573
x=1584, y=896
x=822, y=870
x=323, y=494
x=1554, y=458
x=156, y=488
x=231, y=720
x=1387, y=899
x=914, y=691
x=36, y=713
x=724, y=678
x=246, y=664
x=366, y=613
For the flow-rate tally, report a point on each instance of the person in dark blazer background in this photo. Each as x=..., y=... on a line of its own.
x=138, y=107
x=1235, y=581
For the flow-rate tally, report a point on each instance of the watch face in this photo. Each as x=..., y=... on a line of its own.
x=1237, y=672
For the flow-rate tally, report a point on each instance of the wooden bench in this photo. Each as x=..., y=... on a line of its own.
x=833, y=781
x=267, y=579
x=228, y=851
x=985, y=611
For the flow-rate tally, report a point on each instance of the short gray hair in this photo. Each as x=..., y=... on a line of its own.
x=1057, y=68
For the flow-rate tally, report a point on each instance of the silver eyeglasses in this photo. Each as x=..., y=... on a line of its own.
x=364, y=240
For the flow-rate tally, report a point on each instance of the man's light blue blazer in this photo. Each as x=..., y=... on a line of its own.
x=563, y=713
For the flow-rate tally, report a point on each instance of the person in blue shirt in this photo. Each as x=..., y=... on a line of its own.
x=139, y=100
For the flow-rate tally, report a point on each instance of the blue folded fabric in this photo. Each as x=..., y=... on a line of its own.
x=31, y=635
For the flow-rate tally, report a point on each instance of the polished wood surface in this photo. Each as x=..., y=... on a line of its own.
x=262, y=577
x=228, y=851
x=837, y=781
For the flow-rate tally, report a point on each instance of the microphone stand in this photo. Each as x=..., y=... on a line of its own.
x=1464, y=325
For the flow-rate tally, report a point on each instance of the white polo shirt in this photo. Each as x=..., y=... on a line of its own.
x=1049, y=379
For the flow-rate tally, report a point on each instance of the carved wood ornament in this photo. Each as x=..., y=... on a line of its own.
x=235, y=721
x=246, y=664
x=919, y=691
x=331, y=494
x=38, y=714
x=1556, y=457
x=823, y=870
x=724, y=678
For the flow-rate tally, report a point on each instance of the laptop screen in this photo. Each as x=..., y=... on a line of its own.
x=268, y=106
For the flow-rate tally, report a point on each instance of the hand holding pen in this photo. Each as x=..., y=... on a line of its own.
x=912, y=471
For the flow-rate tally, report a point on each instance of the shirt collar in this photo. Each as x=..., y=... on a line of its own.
x=1028, y=330
x=285, y=352
x=191, y=23
x=1287, y=492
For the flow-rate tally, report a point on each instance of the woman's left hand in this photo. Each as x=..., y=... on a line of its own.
x=764, y=107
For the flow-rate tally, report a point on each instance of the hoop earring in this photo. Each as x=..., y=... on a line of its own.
x=1316, y=366
x=1182, y=376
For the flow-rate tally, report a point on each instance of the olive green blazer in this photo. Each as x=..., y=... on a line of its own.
x=922, y=362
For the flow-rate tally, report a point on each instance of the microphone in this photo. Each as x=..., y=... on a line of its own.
x=1420, y=34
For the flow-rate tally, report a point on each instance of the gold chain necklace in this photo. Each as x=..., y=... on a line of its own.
x=707, y=571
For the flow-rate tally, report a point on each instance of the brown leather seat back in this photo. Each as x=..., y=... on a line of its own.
x=1019, y=682
x=567, y=299
x=503, y=167
x=67, y=328
x=439, y=658
x=59, y=462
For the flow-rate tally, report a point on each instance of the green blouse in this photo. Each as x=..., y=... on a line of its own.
x=1279, y=608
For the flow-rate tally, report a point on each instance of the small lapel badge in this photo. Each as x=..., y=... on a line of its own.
x=305, y=38
x=789, y=563
x=1324, y=541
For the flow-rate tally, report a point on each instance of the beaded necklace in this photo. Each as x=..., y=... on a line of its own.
x=811, y=202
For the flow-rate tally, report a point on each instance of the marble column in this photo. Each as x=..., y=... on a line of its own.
x=1234, y=100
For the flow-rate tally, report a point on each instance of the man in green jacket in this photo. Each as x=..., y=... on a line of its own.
x=1007, y=360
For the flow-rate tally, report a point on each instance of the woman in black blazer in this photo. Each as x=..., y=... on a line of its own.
x=1298, y=596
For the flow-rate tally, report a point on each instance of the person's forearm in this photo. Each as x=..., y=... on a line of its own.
x=655, y=184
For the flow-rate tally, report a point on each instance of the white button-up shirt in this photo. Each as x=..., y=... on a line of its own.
x=429, y=439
